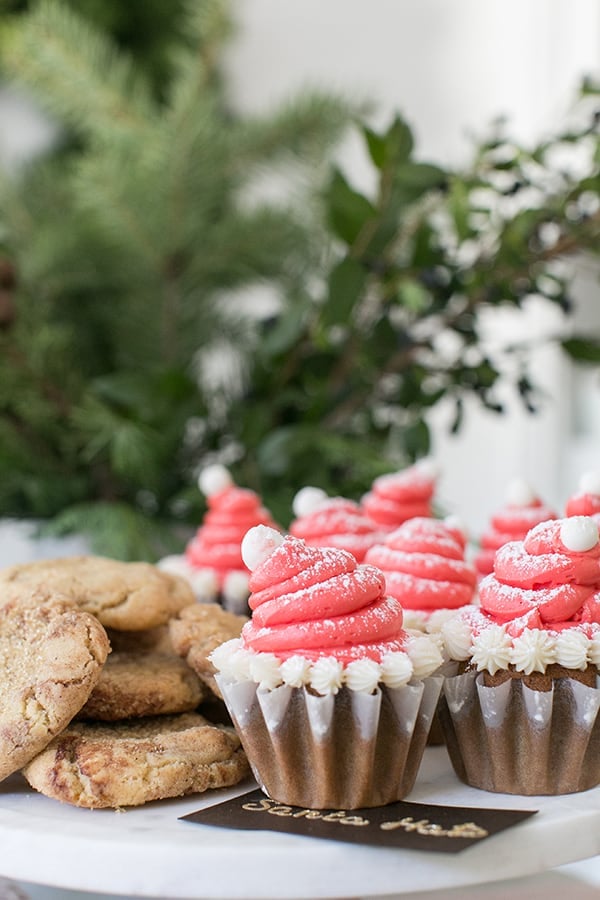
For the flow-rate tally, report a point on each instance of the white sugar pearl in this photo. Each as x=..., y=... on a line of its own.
x=258, y=544
x=214, y=479
x=519, y=493
x=579, y=533
x=427, y=467
x=589, y=483
x=307, y=500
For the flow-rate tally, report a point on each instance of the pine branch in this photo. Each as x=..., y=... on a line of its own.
x=302, y=128
x=77, y=72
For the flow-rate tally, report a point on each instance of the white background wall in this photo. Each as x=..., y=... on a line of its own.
x=451, y=67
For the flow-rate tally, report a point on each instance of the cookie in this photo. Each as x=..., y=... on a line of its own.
x=130, y=763
x=125, y=596
x=51, y=656
x=195, y=633
x=143, y=684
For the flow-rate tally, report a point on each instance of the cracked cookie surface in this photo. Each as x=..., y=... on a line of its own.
x=101, y=765
x=126, y=596
x=51, y=656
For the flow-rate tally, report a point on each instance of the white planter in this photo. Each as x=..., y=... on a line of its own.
x=20, y=543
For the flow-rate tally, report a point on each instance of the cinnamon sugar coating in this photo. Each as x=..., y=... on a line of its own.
x=143, y=684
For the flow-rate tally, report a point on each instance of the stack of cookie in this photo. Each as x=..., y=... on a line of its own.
x=97, y=728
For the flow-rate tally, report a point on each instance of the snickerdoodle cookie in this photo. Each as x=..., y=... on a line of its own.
x=195, y=633
x=125, y=596
x=51, y=656
x=143, y=684
x=130, y=763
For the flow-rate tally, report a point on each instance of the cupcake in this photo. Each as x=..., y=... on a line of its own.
x=324, y=521
x=331, y=698
x=521, y=713
x=523, y=509
x=212, y=562
x=586, y=500
x=425, y=569
x=399, y=496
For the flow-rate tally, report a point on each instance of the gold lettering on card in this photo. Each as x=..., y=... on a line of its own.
x=257, y=807
x=468, y=830
x=273, y=808
x=261, y=806
x=430, y=829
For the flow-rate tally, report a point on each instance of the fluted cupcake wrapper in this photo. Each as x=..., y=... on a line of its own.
x=347, y=750
x=512, y=739
x=437, y=737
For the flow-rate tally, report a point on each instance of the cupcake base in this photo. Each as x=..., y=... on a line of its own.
x=345, y=751
x=509, y=738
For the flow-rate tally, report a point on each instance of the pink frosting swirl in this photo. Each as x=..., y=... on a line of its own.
x=424, y=565
x=541, y=582
x=337, y=522
x=583, y=504
x=217, y=543
x=511, y=523
x=314, y=602
x=399, y=496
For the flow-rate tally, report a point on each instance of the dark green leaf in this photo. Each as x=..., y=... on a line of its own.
x=398, y=142
x=346, y=286
x=412, y=180
x=285, y=331
x=392, y=148
x=585, y=350
x=417, y=440
x=376, y=146
x=348, y=211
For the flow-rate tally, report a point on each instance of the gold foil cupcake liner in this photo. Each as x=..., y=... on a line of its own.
x=342, y=751
x=515, y=740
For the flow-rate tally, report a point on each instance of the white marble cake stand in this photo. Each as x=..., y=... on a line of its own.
x=147, y=852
